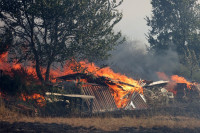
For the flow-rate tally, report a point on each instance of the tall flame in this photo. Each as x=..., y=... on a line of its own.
x=118, y=93
x=73, y=67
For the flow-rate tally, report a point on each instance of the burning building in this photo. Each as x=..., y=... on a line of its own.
x=104, y=90
x=109, y=94
x=111, y=90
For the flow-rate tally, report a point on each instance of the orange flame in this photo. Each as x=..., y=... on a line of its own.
x=6, y=66
x=90, y=68
x=37, y=97
x=85, y=67
x=118, y=93
x=173, y=81
x=3, y=61
x=178, y=79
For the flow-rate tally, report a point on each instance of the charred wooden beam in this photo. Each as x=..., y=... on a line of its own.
x=101, y=80
x=74, y=76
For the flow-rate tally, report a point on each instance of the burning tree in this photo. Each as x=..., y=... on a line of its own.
x=51, y=31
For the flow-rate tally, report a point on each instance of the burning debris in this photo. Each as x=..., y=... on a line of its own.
x=111, y=91
x=109, y=94
x=176, y=88
x=18, y=87
x=157, y=94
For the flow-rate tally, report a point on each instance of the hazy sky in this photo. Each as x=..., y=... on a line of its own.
x=133, y=23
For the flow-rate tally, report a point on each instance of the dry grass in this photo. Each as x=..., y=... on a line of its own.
x=113, y=124
x=6, y=114
x=106, y=124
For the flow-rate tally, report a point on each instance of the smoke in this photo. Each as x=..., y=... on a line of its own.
x=132, y=59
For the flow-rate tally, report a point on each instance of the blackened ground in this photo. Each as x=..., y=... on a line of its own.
x=22, y=127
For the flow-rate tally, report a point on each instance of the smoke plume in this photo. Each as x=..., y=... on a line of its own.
x=133, y=60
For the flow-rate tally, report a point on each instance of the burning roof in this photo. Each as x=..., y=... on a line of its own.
x=109, y=94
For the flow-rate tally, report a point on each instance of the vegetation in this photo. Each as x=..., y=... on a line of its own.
x=52, y=31
x=5, y=41
x=19, y=81
x=108, y=123
x=47, y=32
x=175, y=25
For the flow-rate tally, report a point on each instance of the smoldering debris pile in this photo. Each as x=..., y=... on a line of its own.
x=164, y=93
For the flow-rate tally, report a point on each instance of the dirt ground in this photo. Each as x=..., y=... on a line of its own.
x=169, y=120
x=29, y=127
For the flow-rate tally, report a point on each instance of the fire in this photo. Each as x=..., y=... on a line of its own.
x=73, y=67
x=178, y=79
x=3, y=61
x=7, y=67
x=119, y=90
x=174, y=79
x=37, y=97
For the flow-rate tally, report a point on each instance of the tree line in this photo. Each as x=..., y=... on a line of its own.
x=175, y=24
x=53, y=31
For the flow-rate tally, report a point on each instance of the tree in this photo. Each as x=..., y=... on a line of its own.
x=49, y=31
x=175, y=24
x=5, y=41
x=191, y=61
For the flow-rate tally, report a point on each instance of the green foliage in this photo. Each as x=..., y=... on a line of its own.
x=51, y=31
x=191, y=61
x=185, y=71
x=174, y=24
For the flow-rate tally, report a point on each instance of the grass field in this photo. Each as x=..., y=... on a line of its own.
x=108, y=123
x=112, y=124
